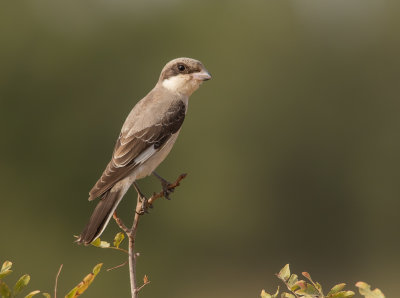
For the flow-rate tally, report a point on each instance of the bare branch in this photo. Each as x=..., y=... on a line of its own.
x=146, y=281
x=132, y=255
x=118, y=266
x=120, y=249
x=171, y=186
x=55, y=286
x=119, y=222
x=131, y=233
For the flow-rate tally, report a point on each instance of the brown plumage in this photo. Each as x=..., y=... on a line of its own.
x=146, y=138
x=129, y=147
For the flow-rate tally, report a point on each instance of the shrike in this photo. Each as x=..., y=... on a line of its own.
x=146, y=138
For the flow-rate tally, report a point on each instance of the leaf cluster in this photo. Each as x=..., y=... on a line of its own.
x=119, y=237
x=85, y=283
x=299, y=288
x=23, y=281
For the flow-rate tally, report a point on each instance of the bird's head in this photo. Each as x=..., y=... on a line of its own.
x=183, y=76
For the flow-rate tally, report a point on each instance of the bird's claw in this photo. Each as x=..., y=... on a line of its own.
x=144, y=206
x=166, y=190
x=166, y=186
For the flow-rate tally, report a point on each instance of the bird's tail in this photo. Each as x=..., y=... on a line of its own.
x=100, y=216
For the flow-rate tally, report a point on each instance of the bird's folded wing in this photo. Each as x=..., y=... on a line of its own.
x=135, y=147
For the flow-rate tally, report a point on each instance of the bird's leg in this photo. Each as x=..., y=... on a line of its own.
x=143, y=199
x=165, y=186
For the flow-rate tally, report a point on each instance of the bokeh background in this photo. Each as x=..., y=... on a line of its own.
x=292, y=149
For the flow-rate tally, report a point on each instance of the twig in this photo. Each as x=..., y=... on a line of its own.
x=131, y=233
x=120, y=223
x=118, y=266
x=156, y=196
x=132, y=255
x=120, y=249
x=55, y=286
x=143, y=285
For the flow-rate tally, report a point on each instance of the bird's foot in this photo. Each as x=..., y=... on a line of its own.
x=166, y=189
x=144, y=205
x=166, y=186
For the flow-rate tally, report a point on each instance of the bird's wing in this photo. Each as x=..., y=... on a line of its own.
x=135, y=147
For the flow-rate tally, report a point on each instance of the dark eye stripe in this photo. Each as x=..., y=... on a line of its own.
x=174, y=70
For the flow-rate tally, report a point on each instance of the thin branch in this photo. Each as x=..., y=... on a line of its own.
x=55, y=286
x=118, y=266
x=120, y=223
x=143, y=285
x=132, y=255
x=131, y=233
x=120, y=249
x=171, y=186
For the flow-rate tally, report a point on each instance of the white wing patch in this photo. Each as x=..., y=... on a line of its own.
x=145, y=155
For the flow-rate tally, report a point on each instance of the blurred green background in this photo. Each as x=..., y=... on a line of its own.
x=292, y=149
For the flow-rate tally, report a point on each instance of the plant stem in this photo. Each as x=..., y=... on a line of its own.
x=57, y=276
x=131, y=234
x=132, y=255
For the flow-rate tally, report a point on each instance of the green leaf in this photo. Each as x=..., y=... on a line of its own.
x=97, y=269
x=72, y=293
x=292, y=282
x=21, y=283
x=336, y=289
x=365, y=290
x=101, y=244
x=85, y=283
x=4, y=290
x=309, y=290
x=265, y=294
x=5, y=269
x=5, y=273
x=31, y=294
x=47, y=295
x=96, y=242
x=284, y=274
x=315, y=284
x=6, y=266
x=118, y=239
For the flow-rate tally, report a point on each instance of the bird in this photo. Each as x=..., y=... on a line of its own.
x=146, y=138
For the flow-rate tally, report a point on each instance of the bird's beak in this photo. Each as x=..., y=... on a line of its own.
x=202, y=75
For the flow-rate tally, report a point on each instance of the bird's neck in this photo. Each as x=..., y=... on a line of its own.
x=180, y=85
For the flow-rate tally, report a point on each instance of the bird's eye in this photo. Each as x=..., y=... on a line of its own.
x=181, y=67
